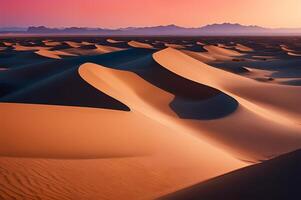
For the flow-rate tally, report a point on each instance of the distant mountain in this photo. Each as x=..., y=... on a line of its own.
x=225, y=29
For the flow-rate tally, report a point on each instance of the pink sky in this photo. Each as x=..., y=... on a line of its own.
x=124, y=13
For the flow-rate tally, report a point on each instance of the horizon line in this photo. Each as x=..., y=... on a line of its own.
x=171, y=24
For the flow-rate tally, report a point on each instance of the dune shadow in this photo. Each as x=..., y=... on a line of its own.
x=278, y=178
x=192, y=100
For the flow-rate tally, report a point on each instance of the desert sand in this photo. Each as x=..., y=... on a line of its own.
x=147, y=118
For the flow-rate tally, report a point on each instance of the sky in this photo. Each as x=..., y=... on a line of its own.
x=126, y=13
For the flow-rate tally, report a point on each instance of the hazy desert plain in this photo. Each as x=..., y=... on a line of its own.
x=150, y=118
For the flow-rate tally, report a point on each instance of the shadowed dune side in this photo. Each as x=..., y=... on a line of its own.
x=192, y=100
x=14, y=59
x=278, y=178
x=287, y=105
x=259, y=116
x=38, y=68
x=65, y=88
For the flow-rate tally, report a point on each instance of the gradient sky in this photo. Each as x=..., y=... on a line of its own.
x=124, y=13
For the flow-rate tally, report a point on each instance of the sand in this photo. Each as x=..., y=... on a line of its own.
x=99, y=118
x=136, y=44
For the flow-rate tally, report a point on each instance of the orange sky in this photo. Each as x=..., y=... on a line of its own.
x=124, y=13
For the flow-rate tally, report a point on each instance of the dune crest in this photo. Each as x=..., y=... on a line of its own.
x=113, y=41
x=269, y=109
x=107, y=49
x=140, y=45
x=243, y=48
x=19, y=47
x=53, y=54
x=221, y=53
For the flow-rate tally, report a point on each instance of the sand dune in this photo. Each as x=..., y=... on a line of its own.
x=8, y=44
x=53, y=54
x=107, y=49
x=221, y=53
x=293, y=54
x=202, y=56
x=113, y=41
x=92, y=50
x=51, y=43
x=281, y=173
x=286, y=48
x=270, y=109
x=74, y=44
x=259, y=74
x=176, y=46
x=19, y=47
x=200, y=43
x=243, y=48
x=140, y=45
x=93, y=118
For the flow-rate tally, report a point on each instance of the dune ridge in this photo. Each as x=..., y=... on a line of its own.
x=264, y=111
x=140, y=45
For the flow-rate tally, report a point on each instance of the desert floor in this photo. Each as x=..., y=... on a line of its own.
x=145, y=118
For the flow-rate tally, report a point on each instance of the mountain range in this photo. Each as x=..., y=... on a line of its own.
x=225, y=29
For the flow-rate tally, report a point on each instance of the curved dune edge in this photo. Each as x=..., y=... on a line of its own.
x=8, y=44
x=107, y=49
x=233, y=83
x=176, y=46
x=286, y=48
x=243, y=48
x=135, y=92
x=113, y=41
x=202, y=56
x=259, y=73
x=221, y=53
x=99, y=49
x=53, y=54
x=51, y=43
x=19, y=47
x=73, y=44
x=200, y=43
x=261, y=114
x=136, y=44
x=293, y=54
